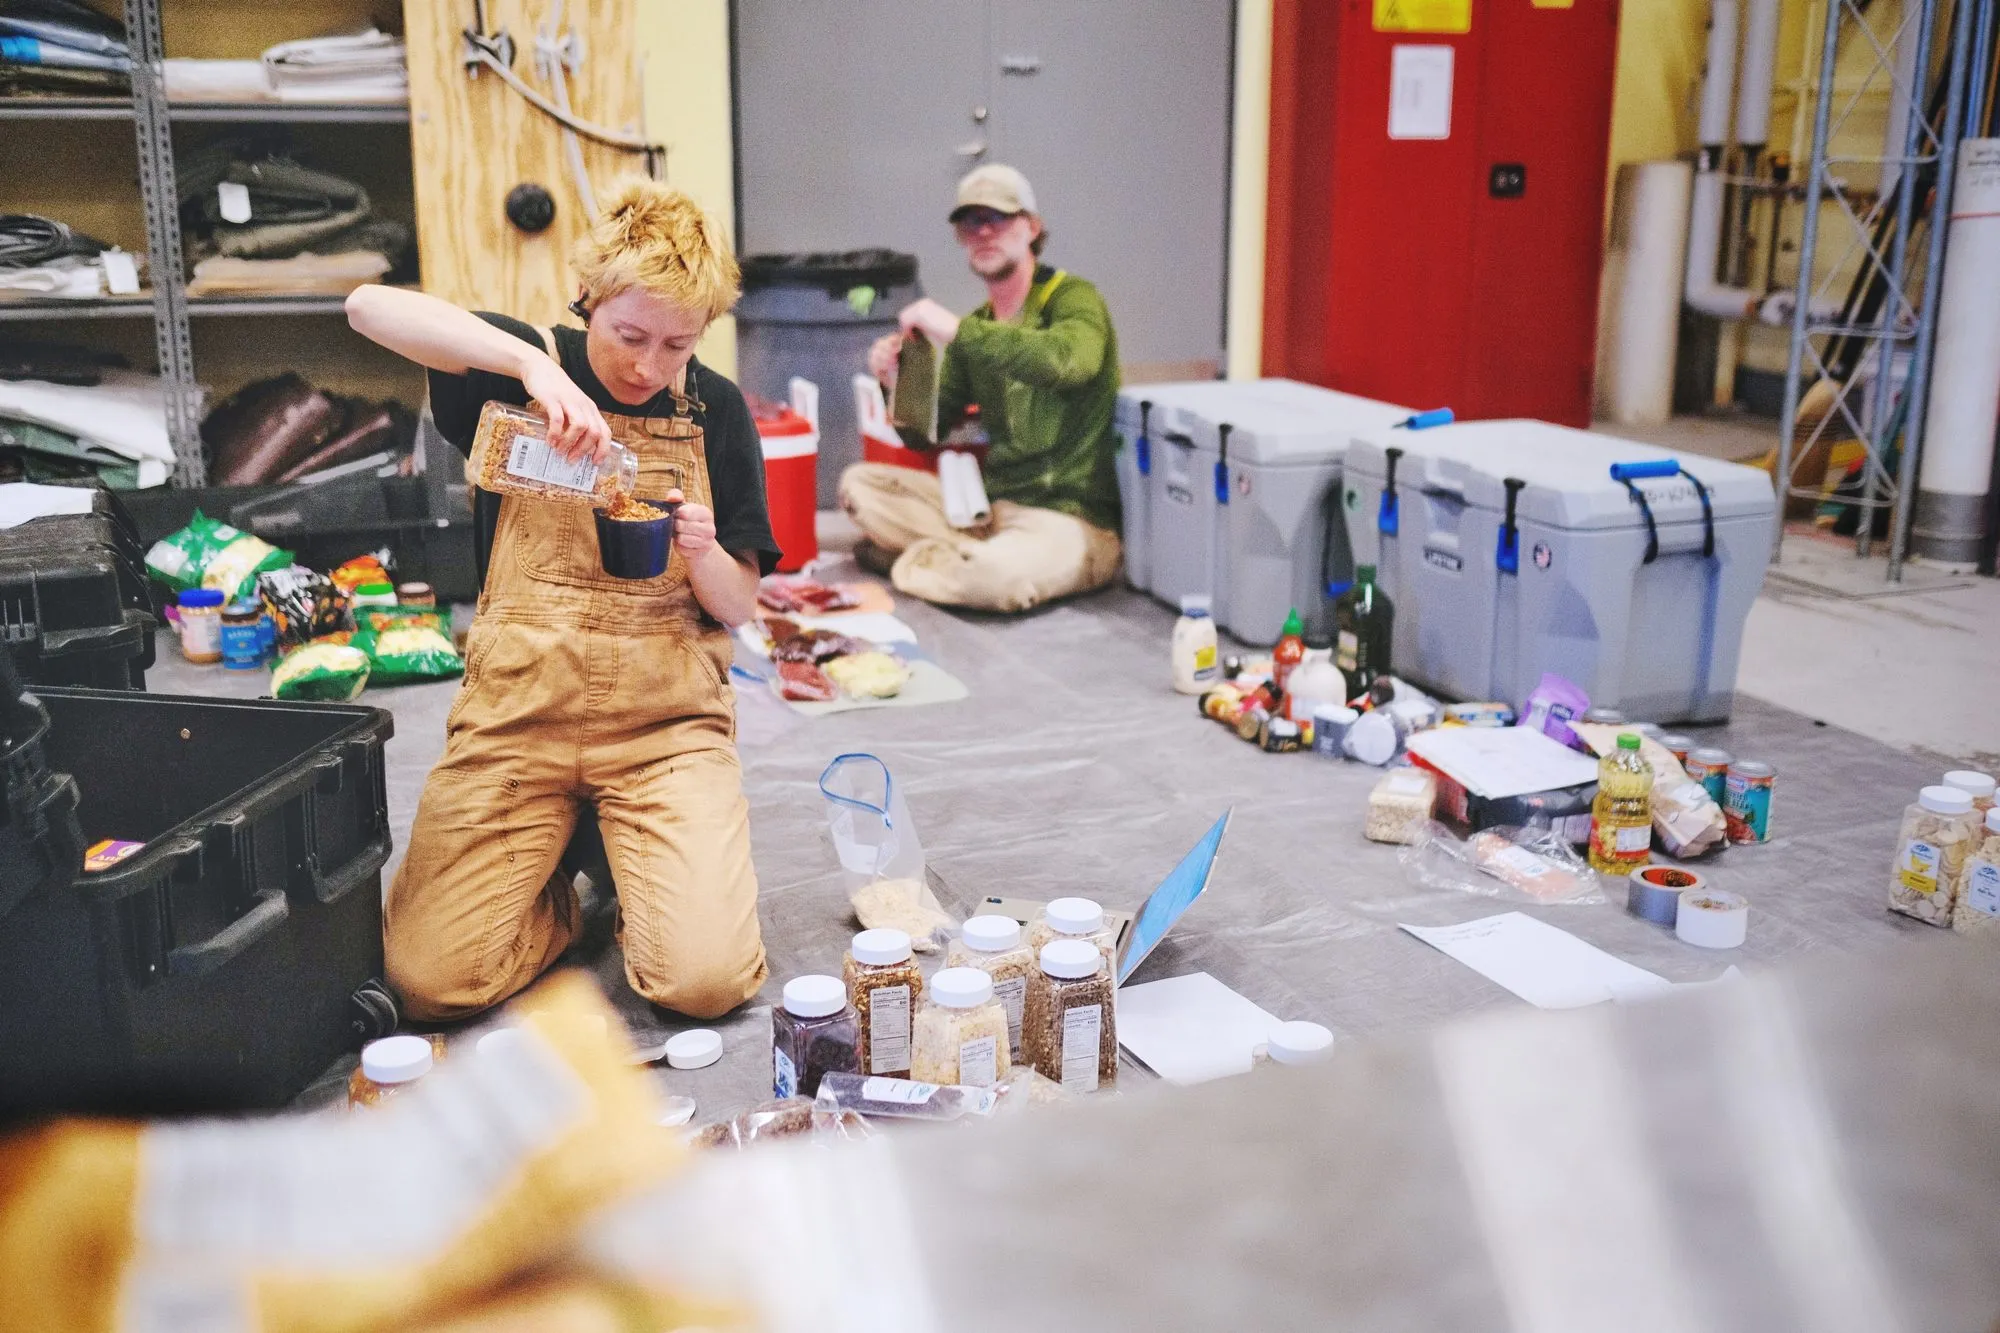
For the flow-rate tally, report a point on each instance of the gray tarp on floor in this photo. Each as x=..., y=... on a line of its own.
x=1074, y=769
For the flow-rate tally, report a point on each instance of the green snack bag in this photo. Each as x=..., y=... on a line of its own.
x=321, y=672
x=180, y=558
x=233, y=569
x=402, y=654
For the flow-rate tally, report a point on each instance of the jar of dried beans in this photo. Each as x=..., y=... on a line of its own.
x=883, y=985
x=1935, y=843
x=961, y=1034
x=1070, y=1030
x=1075, y=919
x=814, y=1032
x=511, y=455
x=993, y=944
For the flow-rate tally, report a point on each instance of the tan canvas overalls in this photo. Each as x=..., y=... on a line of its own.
x=583, y=687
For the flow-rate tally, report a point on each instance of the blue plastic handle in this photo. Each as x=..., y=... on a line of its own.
x=1665, y=467
x=1222, y=483
x=1437, y=416
x=1143, y=448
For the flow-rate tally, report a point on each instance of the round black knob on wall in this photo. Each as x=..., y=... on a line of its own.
x=531, y=208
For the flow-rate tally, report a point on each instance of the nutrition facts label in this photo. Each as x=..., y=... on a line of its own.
x=537, y=460
x=889, y=1030
x=1012, y=994
x=1082, y=1027
x=979, y=1063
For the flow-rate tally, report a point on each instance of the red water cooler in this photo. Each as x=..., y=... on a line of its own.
x=791, y=472
x=1436, y=200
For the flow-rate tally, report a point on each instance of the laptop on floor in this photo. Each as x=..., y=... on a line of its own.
x=1140, y=932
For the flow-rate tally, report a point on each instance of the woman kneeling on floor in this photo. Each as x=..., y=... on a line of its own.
x=580, y=687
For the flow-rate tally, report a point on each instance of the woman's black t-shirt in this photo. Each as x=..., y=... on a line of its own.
x=734, y=451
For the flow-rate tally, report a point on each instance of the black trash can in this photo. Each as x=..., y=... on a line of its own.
x=815, y=315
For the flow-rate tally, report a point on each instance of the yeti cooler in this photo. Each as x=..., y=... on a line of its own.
x=1511, y=548
x=1244, y=484
x=1136, y=420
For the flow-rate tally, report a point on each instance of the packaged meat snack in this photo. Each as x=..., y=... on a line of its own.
x=805, y=683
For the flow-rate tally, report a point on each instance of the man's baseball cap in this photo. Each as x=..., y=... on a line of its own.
x=1002, y=189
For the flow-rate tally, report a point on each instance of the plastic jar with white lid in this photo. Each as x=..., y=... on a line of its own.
x=883, y=985
x=961, y=1035
x=1074, y=919
x=814, y=1032
x=1979, y=786
x=1070, y=1030
x=1977, y=911
x=1933, y=847
x=994, y=945
x=1299, y=1043
x=387, y=1067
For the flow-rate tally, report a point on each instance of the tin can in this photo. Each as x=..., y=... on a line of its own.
x=1279, y=736
x=1330, y=724
x=242, y=636
x=1747, y=805
x=1677, y=745
x=1710, y=767
x=1606, y=717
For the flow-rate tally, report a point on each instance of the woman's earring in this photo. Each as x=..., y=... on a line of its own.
x=580, y=310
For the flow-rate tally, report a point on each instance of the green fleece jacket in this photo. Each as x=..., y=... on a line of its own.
x=1046, y=383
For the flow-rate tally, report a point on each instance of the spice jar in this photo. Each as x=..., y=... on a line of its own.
x=1978, y=786
x=511, y=455
x=1978, y=908
x=814, y=1032
x=1299, y=1044
x=961, y=1034
x=388, y=1067
x=1934, y=846
x=201, y=625
x=993, y=944
x=883, y=985
x=1075, y=919
x=1070, y=1030
x=415, y=594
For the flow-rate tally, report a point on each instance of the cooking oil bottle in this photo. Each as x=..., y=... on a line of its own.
x=1621, y=818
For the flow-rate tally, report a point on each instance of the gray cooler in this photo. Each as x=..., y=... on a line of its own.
x=1511, y=548
x=1137, y=419
x=1243, y=499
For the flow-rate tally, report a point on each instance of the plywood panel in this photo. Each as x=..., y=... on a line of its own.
x=475, y=139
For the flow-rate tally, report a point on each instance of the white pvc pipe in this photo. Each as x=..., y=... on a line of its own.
x=1718, y=85
x=1704, y=246
x=1760, y=70
x=1648, y=245
x=1957, y=464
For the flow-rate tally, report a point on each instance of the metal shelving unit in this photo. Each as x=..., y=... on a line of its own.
x=223, y=113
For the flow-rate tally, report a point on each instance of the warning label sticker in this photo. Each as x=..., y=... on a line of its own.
x=1423, y=15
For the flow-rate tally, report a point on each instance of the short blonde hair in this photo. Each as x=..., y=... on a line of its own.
x=658, y=239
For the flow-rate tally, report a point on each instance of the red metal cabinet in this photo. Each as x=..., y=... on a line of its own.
x=1457, y=271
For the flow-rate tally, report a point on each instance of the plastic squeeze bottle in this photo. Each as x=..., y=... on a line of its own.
x=1315, y=681
x=1291, y=649
x=1621, y=818
x=1366, y=621
x=1195, y=667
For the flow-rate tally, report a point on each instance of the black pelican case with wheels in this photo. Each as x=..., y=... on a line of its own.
x=229, y=962
x=74, y=604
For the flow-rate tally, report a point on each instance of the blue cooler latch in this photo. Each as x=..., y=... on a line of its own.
x=1388, y=518
x=1631, y=474
x=1222, y=430
x=1142, y=448
x=1507, y=556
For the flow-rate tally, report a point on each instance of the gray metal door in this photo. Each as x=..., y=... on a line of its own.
x=856, y=118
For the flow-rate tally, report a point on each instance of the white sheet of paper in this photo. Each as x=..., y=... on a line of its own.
x=121, y=272
x=1547, y=967
x=1420, y=92
x=1495, y=762
x=1191, y=1029
x=23, y=500
x=876, y=627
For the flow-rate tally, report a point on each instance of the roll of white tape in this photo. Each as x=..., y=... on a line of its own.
x=1712, y=918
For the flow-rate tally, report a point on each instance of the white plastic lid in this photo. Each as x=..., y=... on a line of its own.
x=961, y=987
x=1945, y=800
x=697, y=1048
x=1977, y=785
x=991, y=934
x=397, y=1059
x=498, y=1040
x=1993, y=820
x=1299, y=1043
x=1070, y=959
x=879, y=948
x=1338, y=715
x=815, y=996
x=1372, y=739
x=1197, y=604
x=1074, y=916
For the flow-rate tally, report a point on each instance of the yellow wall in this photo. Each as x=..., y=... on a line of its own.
x=684, y=47
x=1250, y=156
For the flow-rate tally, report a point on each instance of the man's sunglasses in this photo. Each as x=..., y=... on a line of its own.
x=981, y=219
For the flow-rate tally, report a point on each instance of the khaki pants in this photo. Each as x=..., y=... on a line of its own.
x=1024, y=557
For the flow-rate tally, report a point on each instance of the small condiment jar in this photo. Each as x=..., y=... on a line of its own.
x=883, y=985
x=814, y=1032
x=1299, y=1044
x=415, y=594
x=201, y=625
x=388, y=1067
x=1075, y=919
x=995, y=946
x=961, y=1034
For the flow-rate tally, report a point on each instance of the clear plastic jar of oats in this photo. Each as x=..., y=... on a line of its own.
x=961, y=1035
x=511, y=455
x=1932, y=850
x=993, y=944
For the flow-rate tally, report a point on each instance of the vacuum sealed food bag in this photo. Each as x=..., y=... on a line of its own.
x=789, y=1118
x=420, y=1210
x=402, y=653
x=1534, y=865
x=904, y=1099
x=876, y=841
x=322, y=673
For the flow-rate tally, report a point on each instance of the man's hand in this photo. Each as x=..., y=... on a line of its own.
x=576, y=427
x=882, y=354
x=937, y=323
x=694, y=526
